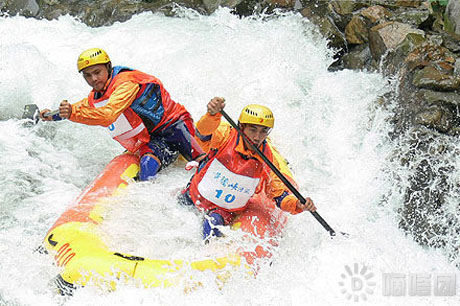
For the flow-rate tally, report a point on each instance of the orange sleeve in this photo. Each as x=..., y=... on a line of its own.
x=275, y=186
x=289, y=204
x=208, y=123
x=211, y=132
x=119, y=100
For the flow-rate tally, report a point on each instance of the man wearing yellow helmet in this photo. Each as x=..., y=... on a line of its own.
x=231, y=173
x=137, y=110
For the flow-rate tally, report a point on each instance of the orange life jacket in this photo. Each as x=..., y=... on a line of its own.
x=130, y=129
x=228, y=179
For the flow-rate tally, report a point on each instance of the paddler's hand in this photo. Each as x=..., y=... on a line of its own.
x=292, y=205
x=191, y=164
x=65, y=109
x=195, y=163
x=216, y=105
x=309, y=205
x=43, y=112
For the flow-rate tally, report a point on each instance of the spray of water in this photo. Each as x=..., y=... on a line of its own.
x=328, y=125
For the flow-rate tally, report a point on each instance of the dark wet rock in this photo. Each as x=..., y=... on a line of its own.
x=436, y=117
x=325, y=25
x=283, y=3
x=356, y=31
x=453, y=15
x=424, y=214
x=254, y=7
x=408, y=3
x=212, y=5
x=426, y=66
x=387, y=36
x=398, y=57
x=28, y=8
x=414, y=17
x=101, y=12
x=437, y=111
x=346, y=7
x=376, y=14
x=451, y=99
x=341, y=12
x=451, y=41
x=431, y=78
x=359, y=58
x=457, y=68
x=432, y=54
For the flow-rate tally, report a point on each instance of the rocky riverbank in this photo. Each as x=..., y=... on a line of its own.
x=415, y=43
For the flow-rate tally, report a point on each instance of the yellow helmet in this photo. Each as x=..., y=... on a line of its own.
x=257, y=114
x=92, y=57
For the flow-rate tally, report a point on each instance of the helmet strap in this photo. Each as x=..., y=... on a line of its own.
x=242, y=126
x=109, y=69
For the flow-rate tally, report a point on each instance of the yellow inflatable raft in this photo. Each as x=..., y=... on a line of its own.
x=84, y=258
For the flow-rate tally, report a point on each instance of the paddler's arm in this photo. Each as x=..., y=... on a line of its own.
x=65, y=110
x=289, y=203
x=210, y=133
x=82, y=112
x=284, y=198
x=210, y=121
x=121, y=98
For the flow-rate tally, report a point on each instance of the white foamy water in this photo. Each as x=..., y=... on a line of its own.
x=328, y=125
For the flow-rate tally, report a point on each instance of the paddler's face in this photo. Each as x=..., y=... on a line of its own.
x=96, y=76
x=256, y=133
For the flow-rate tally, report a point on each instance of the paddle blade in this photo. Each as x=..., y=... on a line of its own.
x=31, y=112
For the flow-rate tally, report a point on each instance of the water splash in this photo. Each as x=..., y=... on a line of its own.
x=328, y=125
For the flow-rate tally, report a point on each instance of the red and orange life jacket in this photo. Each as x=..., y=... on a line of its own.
x=229, y=178
x=131, y=129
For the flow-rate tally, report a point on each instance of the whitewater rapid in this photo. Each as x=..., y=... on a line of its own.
x=328, y=125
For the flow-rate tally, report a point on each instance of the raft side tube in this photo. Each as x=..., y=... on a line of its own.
x=78, y=248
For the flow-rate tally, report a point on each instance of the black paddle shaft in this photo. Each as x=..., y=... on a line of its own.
x=279, y=174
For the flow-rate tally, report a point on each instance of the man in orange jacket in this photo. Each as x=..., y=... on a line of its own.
x=137, y=110
x=231, y=172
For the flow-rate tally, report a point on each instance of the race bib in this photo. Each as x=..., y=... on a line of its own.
x=225, y=188
x=120, y=126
